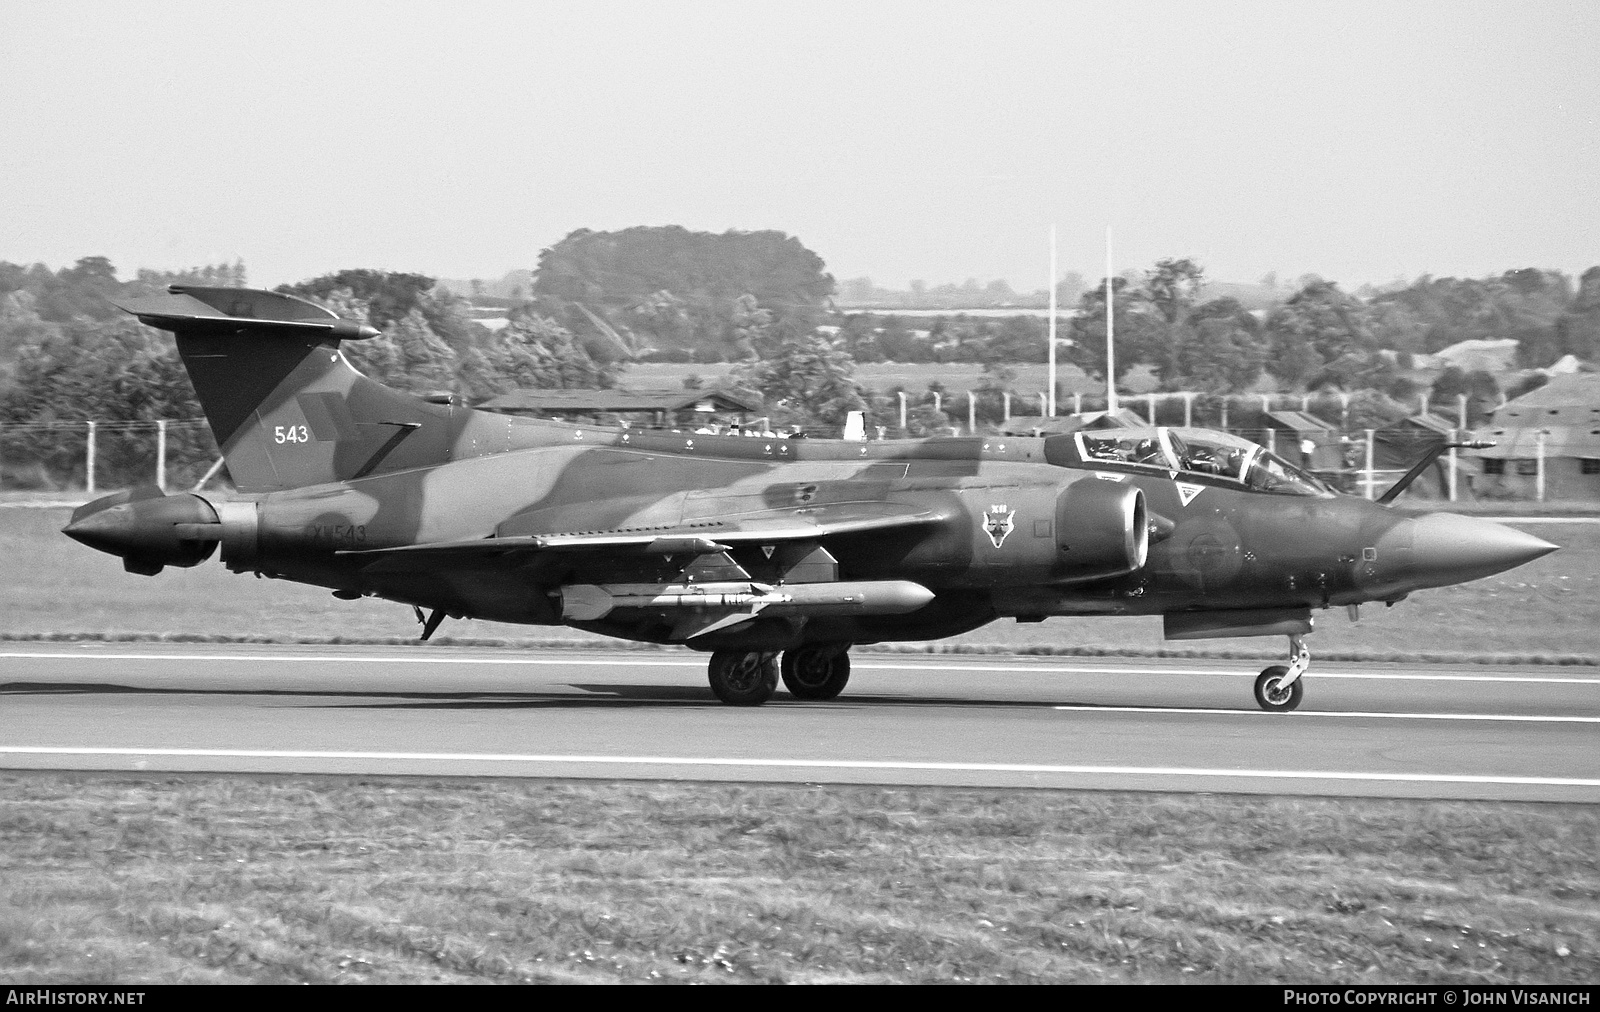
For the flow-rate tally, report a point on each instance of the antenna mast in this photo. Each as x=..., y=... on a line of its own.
x=1050, y=405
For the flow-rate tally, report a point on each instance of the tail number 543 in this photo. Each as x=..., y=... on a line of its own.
x=290, y=434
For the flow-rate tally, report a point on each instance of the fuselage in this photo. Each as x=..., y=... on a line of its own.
x=1216, y=540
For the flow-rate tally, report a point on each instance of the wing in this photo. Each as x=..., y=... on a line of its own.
x=700, y=537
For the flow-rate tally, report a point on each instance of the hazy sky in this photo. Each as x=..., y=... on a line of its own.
x=933, y=140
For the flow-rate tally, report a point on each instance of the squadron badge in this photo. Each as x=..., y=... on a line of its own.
x=997, y=522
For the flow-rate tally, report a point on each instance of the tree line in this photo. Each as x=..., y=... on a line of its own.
x=600, y=300
x=1317, y=337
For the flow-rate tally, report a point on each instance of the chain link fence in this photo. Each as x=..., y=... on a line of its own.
x=182, y=454
x=100, y=456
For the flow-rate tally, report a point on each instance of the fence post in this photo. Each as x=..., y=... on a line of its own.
x=1188, y=411
x=972, y=413
x=1006, y=399
x=161, y=454
x=1370, y=477
x=902, y=412
x=1150, y=407
x=1454, y=435
x=938, y=402
x=89, y=455
x=1077, y=402
x=1539, y=464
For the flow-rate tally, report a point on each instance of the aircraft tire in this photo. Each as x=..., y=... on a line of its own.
x=815, y=673
x=741, y=678
x=1269, y=697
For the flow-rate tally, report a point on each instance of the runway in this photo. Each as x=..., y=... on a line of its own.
x=1421, y=731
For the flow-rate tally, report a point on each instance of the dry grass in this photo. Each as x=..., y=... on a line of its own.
x=200, y=879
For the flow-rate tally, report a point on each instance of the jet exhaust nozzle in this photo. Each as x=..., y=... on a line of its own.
x=148, y=529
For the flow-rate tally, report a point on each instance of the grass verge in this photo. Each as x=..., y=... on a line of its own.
x=299, y=879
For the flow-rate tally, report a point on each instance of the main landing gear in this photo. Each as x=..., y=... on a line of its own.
x=1279, y=688
x=816, y=672
x=741, y=678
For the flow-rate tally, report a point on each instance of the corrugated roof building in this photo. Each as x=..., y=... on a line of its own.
x=1566, y=411
x=662, y=406
x=1304, y=439
x=1400, y=445
x=1038, y=425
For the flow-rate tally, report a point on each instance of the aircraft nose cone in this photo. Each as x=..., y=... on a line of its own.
x=1446, y=548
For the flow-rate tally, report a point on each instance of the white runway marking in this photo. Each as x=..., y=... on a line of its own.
x=697, y=663
x=1337, y=713
x=818, y=764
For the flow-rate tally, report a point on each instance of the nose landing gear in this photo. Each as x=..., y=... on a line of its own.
x=1279, y=688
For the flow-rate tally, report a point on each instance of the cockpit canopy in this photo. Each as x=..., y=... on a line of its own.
x=1195, y=452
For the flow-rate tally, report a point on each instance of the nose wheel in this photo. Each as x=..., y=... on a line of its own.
x=1279, y=688
x=743, y=679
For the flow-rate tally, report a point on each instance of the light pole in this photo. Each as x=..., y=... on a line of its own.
x=1111, y=355
x=1050, y=407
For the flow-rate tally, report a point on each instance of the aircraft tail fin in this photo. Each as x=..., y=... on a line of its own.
x=286, y=407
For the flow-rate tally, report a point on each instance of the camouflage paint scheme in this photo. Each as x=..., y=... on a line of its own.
x=353, y=486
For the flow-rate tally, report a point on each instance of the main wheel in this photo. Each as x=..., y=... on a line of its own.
x=1278, y=700
x=743, y=679
x=815, y=672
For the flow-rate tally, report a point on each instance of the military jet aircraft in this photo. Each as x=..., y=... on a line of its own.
x=751, y=547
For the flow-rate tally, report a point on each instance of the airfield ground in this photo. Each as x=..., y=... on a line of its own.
x=129, y=878
x=320, y=880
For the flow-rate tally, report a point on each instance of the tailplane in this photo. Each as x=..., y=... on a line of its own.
x=286, y=407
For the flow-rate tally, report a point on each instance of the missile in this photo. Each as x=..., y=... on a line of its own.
x=588, y=602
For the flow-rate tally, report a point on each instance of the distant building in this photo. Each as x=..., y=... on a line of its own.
x=1303, y=439
x=1399, y=446
x=1567, y=412
x=658, y=407
x=1496, y=356
x=1039, y=425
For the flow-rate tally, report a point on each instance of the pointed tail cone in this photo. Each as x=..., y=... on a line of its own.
x=145, y=531
x=1441, y=549
x=109, y=529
